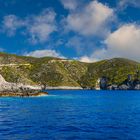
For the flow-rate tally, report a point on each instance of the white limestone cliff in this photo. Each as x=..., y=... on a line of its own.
x=7, y=86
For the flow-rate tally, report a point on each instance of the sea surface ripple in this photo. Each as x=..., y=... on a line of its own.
x=72, y=115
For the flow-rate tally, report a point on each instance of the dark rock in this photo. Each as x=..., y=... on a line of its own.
x=124, y=87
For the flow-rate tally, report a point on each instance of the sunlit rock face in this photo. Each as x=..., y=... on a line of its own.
x=2, y=80
x=123, y=87
x=5, y=85
x=137, y=87
x=18, y=89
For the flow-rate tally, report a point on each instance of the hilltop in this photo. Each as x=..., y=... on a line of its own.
x=56, y=72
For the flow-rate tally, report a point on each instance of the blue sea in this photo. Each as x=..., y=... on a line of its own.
x=72, y=115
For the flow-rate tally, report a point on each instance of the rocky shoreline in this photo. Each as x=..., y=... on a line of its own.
x=19, y=90
x=128, y=84
x=11, y=94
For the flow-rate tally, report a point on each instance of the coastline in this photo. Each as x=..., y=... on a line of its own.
x=11, y=94
x=34, y=93
x=64, y=88
x=46, y=92
x=8, y=89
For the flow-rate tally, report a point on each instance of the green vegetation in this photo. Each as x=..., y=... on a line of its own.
x=57, y=72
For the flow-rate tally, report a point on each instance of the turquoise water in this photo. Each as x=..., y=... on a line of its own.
x=72, y=115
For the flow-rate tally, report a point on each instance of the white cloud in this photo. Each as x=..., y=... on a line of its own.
x=91, y=19
x=86, y=59
x=69, y=4
x=11, y=23
x=124, y=42
x=41, y=26
x=125, y=3
x=37, y=27
x=44, y=53
x=95, y=56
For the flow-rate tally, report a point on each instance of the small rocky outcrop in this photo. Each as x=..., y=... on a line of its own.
x=20, y=90
x=137, y=87
x=12, y=94
x=123, y=87
x=112, y=87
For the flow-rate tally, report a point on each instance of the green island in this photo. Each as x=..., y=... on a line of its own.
x=30, y=76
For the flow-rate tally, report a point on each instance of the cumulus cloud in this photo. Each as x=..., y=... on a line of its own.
x=69, y=4
x=91, y=19
x=95, y=56
x=11, y=23
x=44, y=53
x=41, y=26
x=37, y=27
x=124, y=42
x=87, y=59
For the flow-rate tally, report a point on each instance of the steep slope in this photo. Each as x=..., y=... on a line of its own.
x=60, y=72
x=116, y=70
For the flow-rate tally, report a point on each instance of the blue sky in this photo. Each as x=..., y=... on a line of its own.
x=87, y=30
